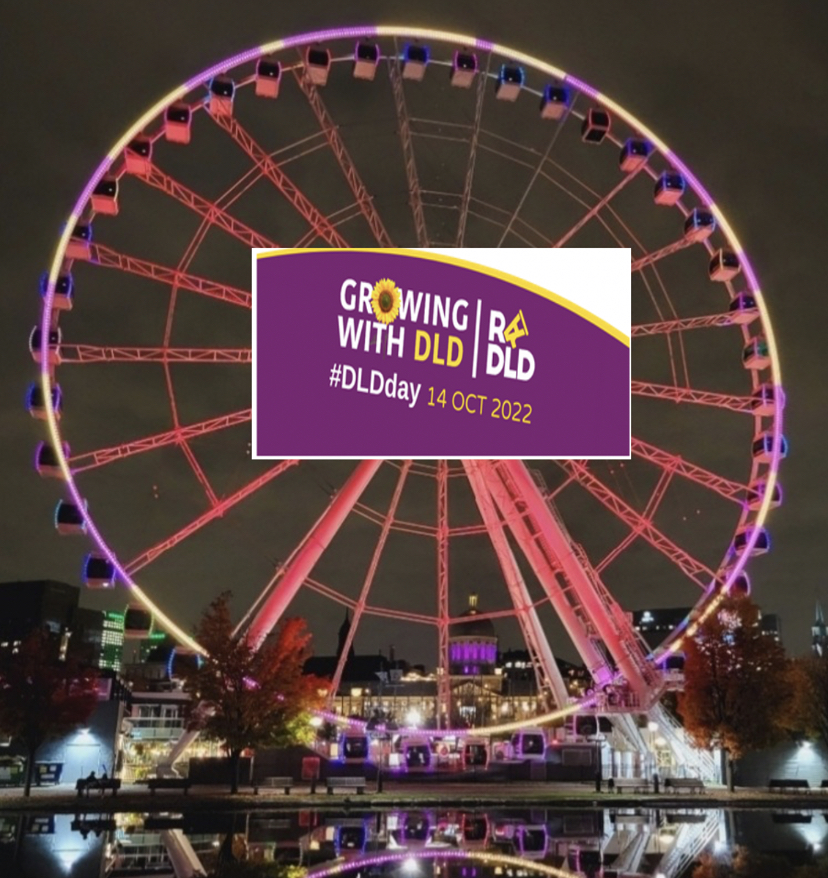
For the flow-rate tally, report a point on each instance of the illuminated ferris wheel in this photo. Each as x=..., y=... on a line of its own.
x=392, y=136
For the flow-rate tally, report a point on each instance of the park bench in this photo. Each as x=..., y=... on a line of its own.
x=824, y=785
x=631, y=784
x=788, y=783
x=346, y=783
x=691, y=784
x=169, y=783
x=285, y=783
x=85, y=784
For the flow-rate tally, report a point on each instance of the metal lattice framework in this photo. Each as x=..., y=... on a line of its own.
x=517, y=509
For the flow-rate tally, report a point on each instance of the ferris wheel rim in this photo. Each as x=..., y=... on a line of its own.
x=364, y=32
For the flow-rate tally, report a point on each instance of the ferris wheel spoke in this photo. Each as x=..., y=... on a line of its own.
x=335, y=142
x=362, y=601
x=482, y=80
x=150, y=555
x=657, y=255
x=330, y=593
x=598, y=206
x=668, y=327
x=731, y=402
x=400, y=615
x=336, y=219
x=88, y=353
x=415, y=197
x=727, y=488
x=79, y=463
x=207, y=210
x=278, y=176
x=199, y=473
x=536, y=173
x=109, y=258
x=649, y=511
x=639, y=524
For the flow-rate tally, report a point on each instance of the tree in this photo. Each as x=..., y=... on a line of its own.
x=41, y=696
x=252, y=698
x=736, y=694
x=809, y=684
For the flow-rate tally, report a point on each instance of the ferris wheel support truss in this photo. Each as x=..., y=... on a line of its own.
x=444, y=615
x=547, y=673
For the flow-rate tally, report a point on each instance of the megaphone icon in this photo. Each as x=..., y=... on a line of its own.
x=516, y=329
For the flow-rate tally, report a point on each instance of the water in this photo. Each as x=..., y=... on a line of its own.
x=415, y=843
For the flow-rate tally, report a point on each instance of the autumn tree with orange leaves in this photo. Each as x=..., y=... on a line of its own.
x=250, y=698
x=736, y=691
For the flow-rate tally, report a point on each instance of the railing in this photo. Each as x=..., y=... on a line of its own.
x=155, y=728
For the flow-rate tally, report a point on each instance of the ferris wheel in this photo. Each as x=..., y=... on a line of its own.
x=393, y=136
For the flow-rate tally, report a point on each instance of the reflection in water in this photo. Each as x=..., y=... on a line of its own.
x=421, y=843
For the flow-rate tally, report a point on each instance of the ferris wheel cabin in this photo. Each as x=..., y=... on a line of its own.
x=351, y=838
x=178, y=121
x=764, y=400
x=743, y=309
x=268, y=78
x=69, y=519
x=137, y=623
x=417, y=753
x=463, y=69
x=52, y=345
x=46, y=460
x=764, y=446
x=529, y=745
x=36, y=403
x=509, y=82
x=98, y=572
x=475, y=753
x=532, y=842
x=64, y=289
x=669, y=188
x=105, y=196
x=724, y=266
x=756, y=494
x=222, y=91
x=699, y=225
x=80, y=242
x=416, y=827
x=555, y=101
x=138, y=156
x=317, y=65
x=762, y=544
x=634, y=154
x=366, y=59
x=741, y=585
x=415, y=61
x=756, y=354
x=353, y=747
x=596, y=125
x=474, y=829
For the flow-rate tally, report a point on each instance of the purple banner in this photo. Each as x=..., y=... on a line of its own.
x=390, y=354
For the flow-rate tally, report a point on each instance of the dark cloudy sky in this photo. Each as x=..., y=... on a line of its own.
x=739, y=91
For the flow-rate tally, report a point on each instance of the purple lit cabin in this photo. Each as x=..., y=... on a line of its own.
x=756, y=494
x=529, y=745
x=765, y=400
x=474, y=830
x=763, y=447
x=699, y=225
x=353, y=747
x=416, y=827
x=46, y=460
x=98, y=572
x=463, y=69
x=762, y=544
x=532, y=842
x=62, y=300
x=743, y=308
x=351, y=838
x=555, y=102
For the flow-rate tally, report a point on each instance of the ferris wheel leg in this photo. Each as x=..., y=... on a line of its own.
x=165, y=766
x=314, y=545
x=546, y=668
x=183, y=858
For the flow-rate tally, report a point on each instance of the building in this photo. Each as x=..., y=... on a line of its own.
x=655, y=625
x=112, y=642
x=771, y=626
x=36, y=604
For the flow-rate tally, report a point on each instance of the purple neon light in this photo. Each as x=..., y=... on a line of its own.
x=362, y=32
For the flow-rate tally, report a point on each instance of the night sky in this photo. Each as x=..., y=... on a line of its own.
x=738, y=93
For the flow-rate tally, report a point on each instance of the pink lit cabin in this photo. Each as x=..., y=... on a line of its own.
x=756, y=354
x=222, y=91
x=761, y=546
x=596, y=125
x=475, y=753
x=699, y=225
x=765, y=401
x=79, y=245
x=268, y=78
x=138, y=156
x=742, y=309
x=724, y=266
x=178, y=120
x=634, y=154
x=529, y=745
x=463, y=69
x=366, y=59
x=669, y=188
x=474, y=830
x=36, y=403
x=104, y=197
x=317, y=65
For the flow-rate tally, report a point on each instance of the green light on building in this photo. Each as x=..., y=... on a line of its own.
x=112, y=642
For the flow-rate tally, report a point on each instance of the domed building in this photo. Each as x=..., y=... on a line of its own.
x=475, y=683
